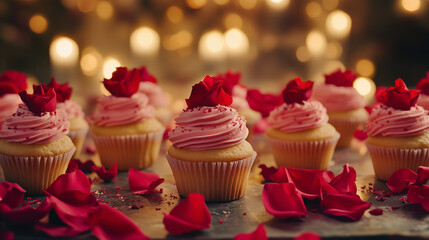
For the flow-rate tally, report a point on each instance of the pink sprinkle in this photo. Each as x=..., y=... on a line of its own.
x=376, y=212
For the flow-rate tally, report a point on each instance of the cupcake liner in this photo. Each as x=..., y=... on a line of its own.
x=130, y=151
x=35, y=174
x=217, y=181
x=387, y=160
x=78, y=138
x=307, y=155
x=346, y=128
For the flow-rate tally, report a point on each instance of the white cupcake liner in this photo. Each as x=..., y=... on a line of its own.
x=217, y=181
x=78, y=138
x=346, y=128
x=387, y=160
x=35, y=174
x=129, y=151
x=306, y=155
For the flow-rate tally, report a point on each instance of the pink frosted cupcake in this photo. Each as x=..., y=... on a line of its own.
x=11, y=83
x=124, y=128
x=423, y=86
x=344, y=104
x=398, y=132
x=299, y=134
x=210, y=154
x=34, y=146
x=238, y=92
x=157, y=97
x=78, y=126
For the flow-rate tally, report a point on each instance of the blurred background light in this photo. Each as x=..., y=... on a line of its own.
x=38, y=23
x=144, y=41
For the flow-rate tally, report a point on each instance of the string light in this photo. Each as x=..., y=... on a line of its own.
x=64, y=51
x=338, y=23
x=38, y=23
x=145, y=41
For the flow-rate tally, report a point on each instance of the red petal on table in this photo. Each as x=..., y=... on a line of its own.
x=267, y=172
x=422, y=175
x=11, y=194
x=419, y=195
x=259, y=234
x=106, y=175
x=327, y=175
x=273, y=174
x=142, y=182
x=376, y=212
x=189, y=215
x=108, y=223
x=57, y=231
x=283, y=200
x=345, y=181
x=308, y=236
x=310, y=183
x=86, y=167
x=344, y=205
x=401, y=179
x=26, y=215
x=360, y=135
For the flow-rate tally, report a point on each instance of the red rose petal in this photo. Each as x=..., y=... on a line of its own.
x=360, y=135
x=379, y=93
x=123, y=83
x=263, y=103
x=26, y=215
x=327, y=175
x=259, y=234
x=344, y=205
x=308, y=236
x=341, y=79
x=399, y=97
x=142, y=182
x=6, y=235
x=146, y=76
x=267, y=172
x=86, y=167
x=12, y=82
x=297, y=91
x=345, y=181
x=11, y=194
x=401, y=179
x=376, y=212
x=189, y=215
x=209, y=92
x=423, y=85
x=63, y=91
x=311, y=183
x=108, y=223
x=41, y=100
x=419, y=195
x=106, y=175
x=230, y=79
x=277, y=175
x=57, y=231
x=422, y=175
x=261, y=126
x=283, y=200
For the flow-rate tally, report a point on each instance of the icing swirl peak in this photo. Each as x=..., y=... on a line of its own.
x=336, y=98
x=205, y=127
x=71, y=108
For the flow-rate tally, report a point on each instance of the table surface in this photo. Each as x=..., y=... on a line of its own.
x=245, y=214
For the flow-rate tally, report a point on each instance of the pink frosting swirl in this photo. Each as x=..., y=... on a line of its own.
x=336, y=98
x=114, y=111
x=298, y=117
x=208, y=128
x=71, y=108
x=423, y=101
x=387, y=121
x=8, y=105
x=239, y=100
x=26, y=128
x=157, y=97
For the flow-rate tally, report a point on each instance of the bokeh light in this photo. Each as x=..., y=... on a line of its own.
x=174, y=14
x=365, y=68
x=411, y=5
x=302, y=54
x=277, y=4
x=64, y=51
x=38, y=23
x=195, y=4
x=236, y=42
x=338, y=23
x=109, y=66
x=144, y=41
x=316, y=43
x=212, y=45
x=90, y=62
x=248, y=4
x=104, y=10
x=313, y=9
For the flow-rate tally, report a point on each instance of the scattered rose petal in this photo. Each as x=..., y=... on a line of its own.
x=401, y=179
x=209, y=92
x=142, y=182
x=341, y=79
x=419, y=195
x=7, y=235
x=360, y=135
x=327, y=175
x=344, y=205
x=91, y=149
x=86, y=167
x=12, y=82
x=261, y=126
x=11, y=194
x=422, y=175
x=283, y=200
x=399, y=97
x=308, y=236
x=273, y=174
x=106, y=175
x=41, y=100
x=123, y=83
x=311, y=183
x=189, y=215
x=376, y=212
x=345, y=181
x=108, y=223
x=57, y=231
x=297, y=91
x=25, y=215
x=259, y=234
x=263, y=103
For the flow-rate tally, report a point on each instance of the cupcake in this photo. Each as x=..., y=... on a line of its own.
x=124, y=128
x=78, y=126
x=423, y=86
x=157, y=97
x=238, y=92
x=398, y=132
x=11, y=83
x=345, y=106
x=34, y=146
x=299, y=133
x=209, y=154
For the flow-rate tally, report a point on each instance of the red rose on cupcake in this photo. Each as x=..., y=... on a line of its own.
x=145, y=75
x=210, y=93
x=123, y=83
x=263, y=103
x=229, y=80
x=12, y=82
x=41, y=100
x=423, y=85
x=63, y=91
x=399, y=97
x=341, y=79
x=297, y=91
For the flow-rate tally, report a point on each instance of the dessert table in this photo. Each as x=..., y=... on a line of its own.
x=399, y=220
